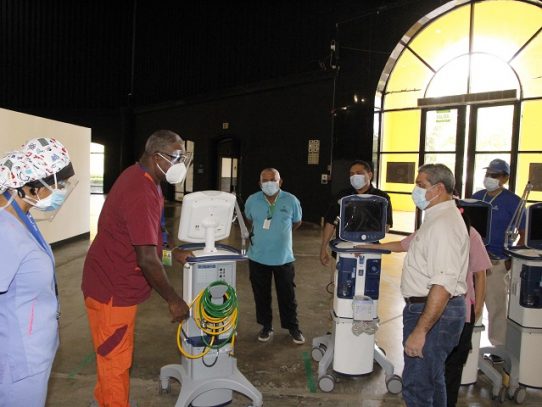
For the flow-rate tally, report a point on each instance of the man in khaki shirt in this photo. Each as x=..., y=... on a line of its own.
x=433, y=283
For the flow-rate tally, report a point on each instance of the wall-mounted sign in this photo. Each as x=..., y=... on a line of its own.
x=401, y=172
x=314, y=152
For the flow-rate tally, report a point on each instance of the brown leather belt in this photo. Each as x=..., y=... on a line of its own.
x=421, y=300
x=415, y=300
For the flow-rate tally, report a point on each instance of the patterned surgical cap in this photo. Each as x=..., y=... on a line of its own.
x=37, y=159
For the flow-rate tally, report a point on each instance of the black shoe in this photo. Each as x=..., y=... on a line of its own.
x=297, y=336
x=265, y=334
x=496, y=360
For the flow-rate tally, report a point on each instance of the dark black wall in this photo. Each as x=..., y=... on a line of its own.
x=266, y=68
x=272, y=126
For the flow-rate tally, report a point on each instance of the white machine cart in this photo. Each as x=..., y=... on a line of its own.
x=521, y=352
x=208, y=381
x=350, y=348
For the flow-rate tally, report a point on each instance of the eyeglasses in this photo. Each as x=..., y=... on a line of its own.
x=174, y=158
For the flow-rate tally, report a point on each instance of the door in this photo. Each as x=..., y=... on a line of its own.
x=227, y=153
x=493, y=134
x=228, y=174
x=466, y=139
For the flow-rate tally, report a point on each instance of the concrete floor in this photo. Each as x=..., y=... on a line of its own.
x=281, y=370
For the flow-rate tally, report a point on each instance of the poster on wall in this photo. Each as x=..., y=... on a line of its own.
x=314, y=152
x=401, y=172
x=535, y=176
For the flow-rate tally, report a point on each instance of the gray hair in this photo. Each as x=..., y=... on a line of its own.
x=273, y=170
x=439, y=173
x=160, y=140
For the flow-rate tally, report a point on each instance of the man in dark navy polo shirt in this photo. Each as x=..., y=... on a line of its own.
x=361, y=175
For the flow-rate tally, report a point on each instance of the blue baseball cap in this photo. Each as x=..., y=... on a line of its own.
x=498, y=166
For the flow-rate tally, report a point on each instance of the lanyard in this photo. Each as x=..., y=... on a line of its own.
x=163, y=217
x=492, y=199
x=32, y=227
x=271, y=207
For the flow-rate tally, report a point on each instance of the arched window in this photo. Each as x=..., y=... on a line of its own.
x=463, y=86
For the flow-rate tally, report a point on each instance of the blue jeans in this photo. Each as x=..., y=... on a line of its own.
x=423, y=378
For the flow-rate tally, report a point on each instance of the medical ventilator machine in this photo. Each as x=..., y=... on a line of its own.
x=350, y=348
x=208, y=371
x=521, y=352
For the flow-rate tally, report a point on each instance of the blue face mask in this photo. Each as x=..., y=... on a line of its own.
x=418, y=196
x=270, y=188
x=52, y=202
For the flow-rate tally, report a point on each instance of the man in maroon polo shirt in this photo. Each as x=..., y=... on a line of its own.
x=124, y=263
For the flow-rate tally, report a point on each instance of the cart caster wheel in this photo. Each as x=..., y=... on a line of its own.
x=394, y=384
x=519, y=395
x=318, y=352
x=326, y=383
x=165, y=387
x=501, y=396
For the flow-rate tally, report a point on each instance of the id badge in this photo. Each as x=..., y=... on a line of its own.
x=267, y=223
x=166, y=257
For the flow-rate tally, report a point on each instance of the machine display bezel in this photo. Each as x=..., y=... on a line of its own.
x=366, y=232
x=533, y=226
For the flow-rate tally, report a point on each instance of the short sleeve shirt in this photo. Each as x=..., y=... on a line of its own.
x=334, y=209
x=478, y=262
x=503, y=207
x=28, y=303
x=438, y=253
x=272, y=245
x=130, y=217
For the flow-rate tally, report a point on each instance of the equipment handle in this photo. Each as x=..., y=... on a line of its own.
x=333, y=246
x=513, y=253
x=512, y=231
x=197, y=246
x=214, y=259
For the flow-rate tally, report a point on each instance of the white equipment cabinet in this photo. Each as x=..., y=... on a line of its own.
x=350, y=348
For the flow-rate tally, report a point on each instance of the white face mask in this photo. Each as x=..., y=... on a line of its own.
x=418, y=196
x=491, y=184
x=358, y=181
x=270, y=188
x=177, y=172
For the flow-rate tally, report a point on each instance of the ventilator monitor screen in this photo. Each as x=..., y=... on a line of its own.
x=363, y=218
x=533, y=226
x=206, y=215
x=479, y=215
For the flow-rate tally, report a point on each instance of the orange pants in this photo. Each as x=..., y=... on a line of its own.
x=112, y=330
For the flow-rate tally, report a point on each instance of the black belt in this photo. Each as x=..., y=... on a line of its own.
x=422, y=300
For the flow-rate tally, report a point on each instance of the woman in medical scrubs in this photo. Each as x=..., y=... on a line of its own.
x=38, y=176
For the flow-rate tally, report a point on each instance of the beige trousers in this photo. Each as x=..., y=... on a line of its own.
x=496, y=301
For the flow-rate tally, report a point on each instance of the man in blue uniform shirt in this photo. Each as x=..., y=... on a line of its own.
x=503, y=203
x=273, y=214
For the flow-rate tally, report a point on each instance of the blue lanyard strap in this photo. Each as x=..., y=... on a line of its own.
x=165, y=235
x=32, y=227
